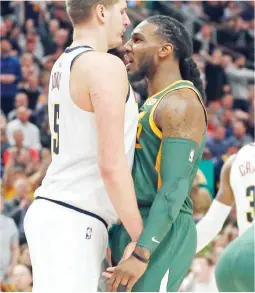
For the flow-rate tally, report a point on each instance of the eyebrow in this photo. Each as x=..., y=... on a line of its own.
x=137, y=35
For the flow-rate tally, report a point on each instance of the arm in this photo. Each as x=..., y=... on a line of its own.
x=212, y=223
x=108, y=86
x=7, y=78
x=237, y=73
x=182, y=134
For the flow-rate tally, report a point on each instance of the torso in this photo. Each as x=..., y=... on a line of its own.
x=146, y=169
x=74, y=176
x=242, y=181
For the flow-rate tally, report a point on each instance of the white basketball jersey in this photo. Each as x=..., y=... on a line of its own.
x=242, y=181
x=73, y=175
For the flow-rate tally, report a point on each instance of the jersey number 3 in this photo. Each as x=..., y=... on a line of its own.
x=55, y=140
x=250, y=194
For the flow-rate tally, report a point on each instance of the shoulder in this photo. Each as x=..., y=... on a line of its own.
x=181, y=114
x=104, y=61
x=183, y=101
x=228, y=165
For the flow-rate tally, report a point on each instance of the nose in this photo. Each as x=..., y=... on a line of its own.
x=128, y=46
x=126, y=20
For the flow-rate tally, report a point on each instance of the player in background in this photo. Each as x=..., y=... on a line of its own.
x=170, y=141
x=237, y=185
x=93, y=118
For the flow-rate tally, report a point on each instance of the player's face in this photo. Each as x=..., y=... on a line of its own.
x=142, y=51
x=117, y=22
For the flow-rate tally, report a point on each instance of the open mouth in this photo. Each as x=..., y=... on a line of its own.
x=128, y=59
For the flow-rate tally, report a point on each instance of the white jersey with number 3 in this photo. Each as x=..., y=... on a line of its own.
x=242, y=181
x=73, y=175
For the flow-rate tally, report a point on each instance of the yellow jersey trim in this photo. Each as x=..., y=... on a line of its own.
x=158, y=165
x=152, y=123
x=172, y=84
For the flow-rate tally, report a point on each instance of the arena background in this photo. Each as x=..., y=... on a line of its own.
x=33, y=36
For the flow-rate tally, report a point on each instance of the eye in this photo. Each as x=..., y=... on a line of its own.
x=137, y=40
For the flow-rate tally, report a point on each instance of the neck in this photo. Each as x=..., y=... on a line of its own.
x=90, y=36
x=166, y=74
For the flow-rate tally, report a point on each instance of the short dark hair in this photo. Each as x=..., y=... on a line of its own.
x=80, y=10
x=174, y=32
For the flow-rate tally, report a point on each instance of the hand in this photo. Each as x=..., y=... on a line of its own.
x=128, y=251
x=127, y=274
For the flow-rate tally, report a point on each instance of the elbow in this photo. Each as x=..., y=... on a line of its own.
x=107, y=171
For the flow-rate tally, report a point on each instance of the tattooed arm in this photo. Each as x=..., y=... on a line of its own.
x=181, y=119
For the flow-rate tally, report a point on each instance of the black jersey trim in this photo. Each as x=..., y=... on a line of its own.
x=68, y=50
x=66, y=205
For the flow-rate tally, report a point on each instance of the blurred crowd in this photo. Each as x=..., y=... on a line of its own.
x=35, y=34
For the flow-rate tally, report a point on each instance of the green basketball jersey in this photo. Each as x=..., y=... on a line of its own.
x=146, y=168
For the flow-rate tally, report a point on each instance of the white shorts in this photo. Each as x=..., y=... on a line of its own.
x=67, y=247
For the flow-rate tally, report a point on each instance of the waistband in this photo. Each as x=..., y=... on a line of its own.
x=66, y=205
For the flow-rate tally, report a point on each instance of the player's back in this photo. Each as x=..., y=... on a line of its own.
x=242, y=181
x=74, y=176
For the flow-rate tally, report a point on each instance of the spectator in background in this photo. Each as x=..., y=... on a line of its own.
x=26, y=158
x=214, y=10
x=30, y=131
x=240, y=135
x=21, y=100
x=27, y=61
x=9, y=244
x=226, y=118
x=201, y=278
x=217, y=143
x=49, y=36
x=32, y=90
x=4, y=146
x=15, y=38
x=17, y=208
x=215, y=75
x=9, y=77
x=60, y=42
x=239, y=78
x=204, y=40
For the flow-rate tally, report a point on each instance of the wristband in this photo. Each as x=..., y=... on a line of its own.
x=140, y=258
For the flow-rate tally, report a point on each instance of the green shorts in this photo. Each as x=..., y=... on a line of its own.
x=170, y=262
x=235, y=269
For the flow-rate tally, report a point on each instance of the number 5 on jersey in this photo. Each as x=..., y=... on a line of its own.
x=55, y=135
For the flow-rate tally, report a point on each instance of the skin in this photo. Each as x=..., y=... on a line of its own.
x=106, y=77
x=151, y=56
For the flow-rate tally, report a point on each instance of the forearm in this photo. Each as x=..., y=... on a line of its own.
x=211, y=224
x=175, y=173
x=120, y=189
x=8, y=78
x=15, y=255
x=163, y=213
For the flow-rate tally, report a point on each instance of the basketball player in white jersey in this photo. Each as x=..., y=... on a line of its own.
x=237, y=185
x=93, y=118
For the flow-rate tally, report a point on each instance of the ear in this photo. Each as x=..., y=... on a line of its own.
x=100, y=13
x=165, y=50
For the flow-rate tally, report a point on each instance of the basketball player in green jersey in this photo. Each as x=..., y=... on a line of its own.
x=170, y=141
x=235, y=269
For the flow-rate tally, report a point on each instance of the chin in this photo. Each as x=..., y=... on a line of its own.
x=116, y=43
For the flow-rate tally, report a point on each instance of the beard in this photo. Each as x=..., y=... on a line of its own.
x=147, y=69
